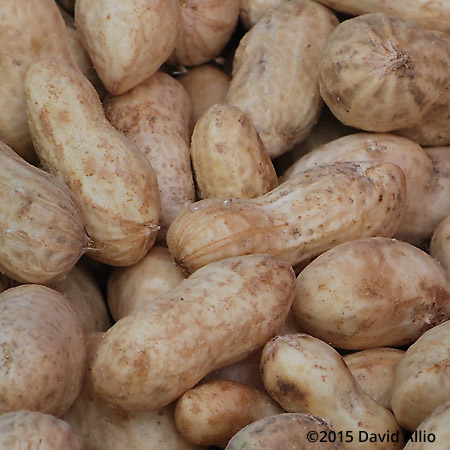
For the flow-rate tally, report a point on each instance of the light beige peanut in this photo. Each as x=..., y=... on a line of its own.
x=32, y=30
x=42, y=231
x=127, y=41
x=206, y=27
x=132, y=288
x=370, y=293
x=42, y=350
x=109, y=176
x=212, y=413
x=218, y=315
x=156, y=116
x=440, y=244
x=228, y=156
x=304, y=374
x=35, y=430
x=422, y=381
x=252, y=11
x=106, y=427
x=300, y=219
x=409, y=156
x=278, y=90
x=374, y=370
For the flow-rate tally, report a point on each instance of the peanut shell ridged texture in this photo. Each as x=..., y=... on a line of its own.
x=42, y=351
x=228, y=156
x=206, y=27
x=275, y=73
x=371, y=293
x=156, y=116
x=300, y=219
x=35, y=430
x=379, y=73
x=42, y=232
x=127, y=41
x=31, y=30
x=252, y=11
x=110, y=177
x=217, y=316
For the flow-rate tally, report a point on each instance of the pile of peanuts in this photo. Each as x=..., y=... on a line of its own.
x=224, y=224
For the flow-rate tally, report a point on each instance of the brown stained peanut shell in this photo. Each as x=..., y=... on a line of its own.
x=300, y=219
x=42, y=233
x=252, y=11
x=42, y=350
x=218, y=315
x=156, y=116
x=228, y=156
x=275, y=75
x=109, y=176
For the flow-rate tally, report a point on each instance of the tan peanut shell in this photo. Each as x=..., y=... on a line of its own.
x=228, y=156
x=252, y=11
x=278, y=90
x=301, y=218
x=34, y=430
x=32, y=30
x=304, y=374
x=212, y=413
x=218, y=315
x=440, y=244
x=156, y=116
x=42, y=350
x=42, y=233
x=206, y=28
x=374, y=292
x=109, y=176
x=127, y=41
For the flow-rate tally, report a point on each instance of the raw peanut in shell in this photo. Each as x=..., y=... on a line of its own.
x=382, y=74
x=275, y=79
x=440, y=244
x=218, y=315
x=42, y=350
x=35, y=430
x=228, y=156
x=156, y=116
x=252, y=11
x=304, y=374
x=32, y=30
x=212, y=413
x=206, y=27
x=127, y=41
x=373, y=292
x=42, y=233
x=300, y=219
x=109, y=176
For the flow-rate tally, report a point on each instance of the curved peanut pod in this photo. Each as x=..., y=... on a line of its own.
x=217, y=316
x=372, y=292
x=304, y=374
x=109, y=176
x=300, y=219
x=42, y=233
x=212, y=413
x=278, y=90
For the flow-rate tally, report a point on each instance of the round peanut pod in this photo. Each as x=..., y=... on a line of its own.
x=228, y=156
x=300, y=219
x=127, y=42
x=32, y=30
x=374, y=370
x=421, y=383
x=156, y=116
x=109, y=176
x=252, y=11
x=372, y=292
x=206, y=28
x=34, y=430
x=218, y=315
x=279, y=90
x=213, y=412
x=42, y=230
x=304, y=374
x=440, y=244
x=42, y=350
x=132, y=288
